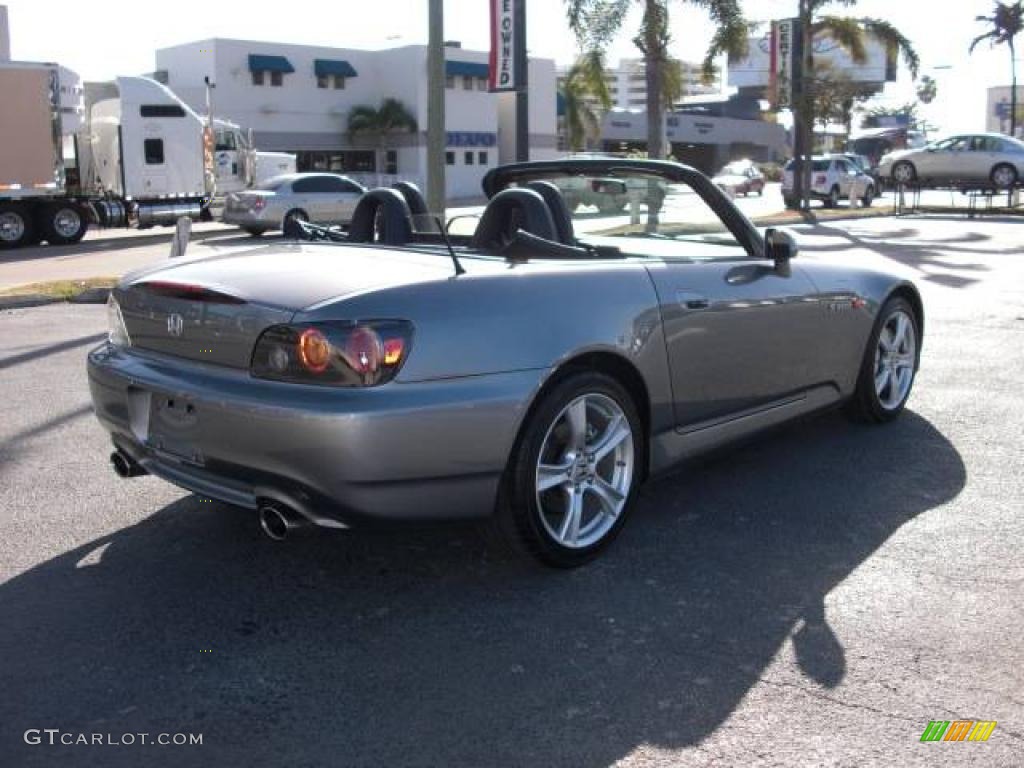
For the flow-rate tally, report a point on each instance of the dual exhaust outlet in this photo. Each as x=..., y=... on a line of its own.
x=276, y=520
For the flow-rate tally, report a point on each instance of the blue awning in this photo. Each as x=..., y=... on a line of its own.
x=260, y=63
x=324, y=67
x=466, y=69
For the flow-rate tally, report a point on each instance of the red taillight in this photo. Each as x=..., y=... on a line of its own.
x=259, y=204
x=364, y=350
x=820, y=179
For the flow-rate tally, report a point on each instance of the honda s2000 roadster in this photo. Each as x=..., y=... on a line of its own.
x=533, y=371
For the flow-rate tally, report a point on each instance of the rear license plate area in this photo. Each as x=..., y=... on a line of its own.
x=174, y=428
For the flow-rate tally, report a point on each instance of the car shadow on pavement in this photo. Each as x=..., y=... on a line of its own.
x=426, y=647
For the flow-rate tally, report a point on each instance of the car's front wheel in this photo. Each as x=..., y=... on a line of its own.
x=574, y=472
x=869, y=196
x=889, y=364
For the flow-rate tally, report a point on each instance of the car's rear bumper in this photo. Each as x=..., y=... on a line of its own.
x=413, y=451
x=250, y=219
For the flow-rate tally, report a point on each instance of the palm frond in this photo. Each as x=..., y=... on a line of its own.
x=847, y=32
x=895, y=41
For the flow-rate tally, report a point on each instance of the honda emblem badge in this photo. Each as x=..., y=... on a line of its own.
x=175, y=324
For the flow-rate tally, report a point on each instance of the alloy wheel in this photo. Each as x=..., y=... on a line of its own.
x=585, y=471
x=895, y=360
x=12, y=227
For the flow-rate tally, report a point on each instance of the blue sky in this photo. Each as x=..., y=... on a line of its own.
x=100, y=38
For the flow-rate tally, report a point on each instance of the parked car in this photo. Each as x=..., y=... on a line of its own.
x=531, y=375
x=740, y=177
x=832, y=178
x=322, y=198
x=990, y=159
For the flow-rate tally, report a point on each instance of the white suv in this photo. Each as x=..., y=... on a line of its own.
x=831, y=181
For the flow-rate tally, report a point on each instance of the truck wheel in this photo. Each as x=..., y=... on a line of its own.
x=16, y=227
x=63, y=224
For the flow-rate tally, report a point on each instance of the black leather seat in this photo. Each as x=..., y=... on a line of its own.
x=413, y=197
x=559, y=210
x=509, y=211
x=381, y=216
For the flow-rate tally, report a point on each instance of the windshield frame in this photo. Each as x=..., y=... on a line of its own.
x=741, y=228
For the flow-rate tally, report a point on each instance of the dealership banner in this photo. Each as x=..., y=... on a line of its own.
x=781, y=64
x=504, y=73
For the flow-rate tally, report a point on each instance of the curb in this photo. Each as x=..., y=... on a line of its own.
x=25, y=301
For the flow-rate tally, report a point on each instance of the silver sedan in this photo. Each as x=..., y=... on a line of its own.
x=989, y=159
x=321, y=198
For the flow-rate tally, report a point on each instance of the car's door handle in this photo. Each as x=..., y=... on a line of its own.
x=692, y=300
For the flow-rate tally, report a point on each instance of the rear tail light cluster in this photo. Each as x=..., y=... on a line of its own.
x=259, y=204
x=335, y=354
x=820, y=180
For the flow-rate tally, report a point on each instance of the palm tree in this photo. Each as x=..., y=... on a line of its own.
x=390, y=118
x=1007, y=20
x=584, y=85
x=597, y=22
x=927, y=89
x=851, y=34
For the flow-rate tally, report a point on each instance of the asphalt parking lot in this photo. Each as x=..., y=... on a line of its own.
x=813, y=598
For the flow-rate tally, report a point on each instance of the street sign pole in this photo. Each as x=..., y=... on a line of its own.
x=435, y=110
x=522, y=93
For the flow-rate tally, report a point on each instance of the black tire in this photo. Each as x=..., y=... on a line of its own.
x=254, y=231
x=833, y=197
x=288, y=226
x=518, y=518
x=865, y=406
x=909, y=170
x=1006, y=175
x=16, y=226
x=869, y=196
x=790, y=202
x=63, y=223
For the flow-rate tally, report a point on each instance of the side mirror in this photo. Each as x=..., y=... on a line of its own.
x=779, y=246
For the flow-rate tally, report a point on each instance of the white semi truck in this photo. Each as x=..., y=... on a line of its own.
x=118, y=154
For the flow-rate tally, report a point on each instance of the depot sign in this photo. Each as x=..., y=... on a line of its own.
x=505, y=43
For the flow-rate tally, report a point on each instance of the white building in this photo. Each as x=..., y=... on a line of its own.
x=296, y=98
x=627, y=83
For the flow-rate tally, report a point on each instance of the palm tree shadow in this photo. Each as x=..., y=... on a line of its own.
x=425, y=646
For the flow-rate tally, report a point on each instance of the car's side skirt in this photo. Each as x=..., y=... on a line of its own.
x=673, y=446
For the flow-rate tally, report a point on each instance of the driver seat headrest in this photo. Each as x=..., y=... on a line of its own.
x=509, y=211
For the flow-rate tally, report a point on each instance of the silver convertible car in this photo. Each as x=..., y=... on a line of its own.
x=531, y=374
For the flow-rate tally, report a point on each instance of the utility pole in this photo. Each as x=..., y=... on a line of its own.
x=522, y=92
x=435, y=110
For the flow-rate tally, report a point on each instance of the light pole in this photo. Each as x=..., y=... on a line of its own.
x=435, y=110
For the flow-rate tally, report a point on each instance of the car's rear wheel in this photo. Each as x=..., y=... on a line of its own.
x=1003, y=176
x=904, y=172
x=573, y=474
x=869, y=196
x=16, y=226
x=254, y=231
x=833, y=197
x=290, y=223
x=889, y=365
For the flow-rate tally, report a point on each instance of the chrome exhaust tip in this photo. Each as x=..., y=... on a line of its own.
x=124, y=466
x=278, y=521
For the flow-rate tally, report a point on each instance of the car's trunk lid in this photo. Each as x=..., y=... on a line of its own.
x=214, y=309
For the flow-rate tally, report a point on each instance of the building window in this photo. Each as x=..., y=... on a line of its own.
x=257, y=77
x=321, y=81
x=481, y=83
x=391, y=161
x=339, y=83
x=276, y=78
x=449, y=158
x=467, y=83
x=481, y=158
x=449, y=81
x=469, y=158
x=154, y=151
